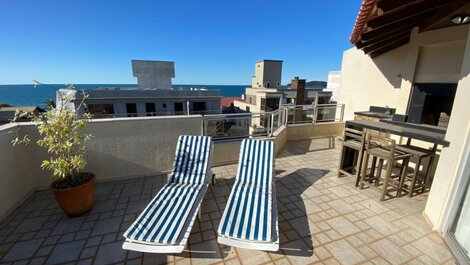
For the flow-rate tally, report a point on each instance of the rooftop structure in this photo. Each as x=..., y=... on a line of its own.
x=153, y=74
x=268, y=74
x=322, y=218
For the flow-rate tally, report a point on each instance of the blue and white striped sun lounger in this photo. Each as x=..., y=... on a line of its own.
x=165, y=224
x=250, y=217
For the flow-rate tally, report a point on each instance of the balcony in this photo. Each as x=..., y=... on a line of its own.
x=322, y=218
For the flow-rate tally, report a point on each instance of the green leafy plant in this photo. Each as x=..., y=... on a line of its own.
x=61, y=129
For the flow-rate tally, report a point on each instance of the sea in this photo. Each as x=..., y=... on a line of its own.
x=30, y=95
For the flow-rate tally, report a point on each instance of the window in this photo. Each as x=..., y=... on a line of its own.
x=101, y=110
x=164, y=105
x=323, y=100
x=199, y=106
x=178, y=108
x=247, y=109
x=431, y=103
x=269, y=104
x=150, y=109
x=131, y=109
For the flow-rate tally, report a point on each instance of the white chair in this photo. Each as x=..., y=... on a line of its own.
x=165, y=224
x=250, y=217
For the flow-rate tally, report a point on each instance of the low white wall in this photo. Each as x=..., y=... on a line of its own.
x=280, y=138
x=226, y=152
x=311, y=131
x=15, y=176
x=119, y=148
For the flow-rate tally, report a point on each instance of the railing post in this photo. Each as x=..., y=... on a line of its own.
x=272, y=124
x=342, y=113
x=315, y=113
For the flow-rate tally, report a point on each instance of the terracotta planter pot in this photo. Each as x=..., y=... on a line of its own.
x=78, y=200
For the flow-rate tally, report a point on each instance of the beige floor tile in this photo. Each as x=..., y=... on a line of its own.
x=322, y=253
x=252, y=257
x=343, y=226
x=431, y=248
x=389, y=251
x=381, y=225
x=344, y=252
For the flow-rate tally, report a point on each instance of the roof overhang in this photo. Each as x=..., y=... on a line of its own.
x=384, y=25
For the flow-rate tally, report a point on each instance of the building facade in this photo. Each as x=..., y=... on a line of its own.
x=423, y=71
x=334, y=84
x=153, y=97
x=267, y=94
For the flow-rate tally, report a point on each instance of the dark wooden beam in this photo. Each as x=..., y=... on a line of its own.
x=443, y=14
x=385, y=42
x=388, y=5
x=359, y=44
x=402, y=26
x=411, y=11
x=389, y=47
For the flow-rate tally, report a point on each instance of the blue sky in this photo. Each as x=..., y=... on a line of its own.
x=211, y=42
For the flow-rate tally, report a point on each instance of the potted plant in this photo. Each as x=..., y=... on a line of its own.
x=61, y=130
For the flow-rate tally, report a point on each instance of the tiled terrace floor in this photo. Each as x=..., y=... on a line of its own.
x=323, y=219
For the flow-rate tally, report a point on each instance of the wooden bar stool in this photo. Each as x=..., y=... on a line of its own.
x=384, y=150
x=351, y=153
x=416, y=181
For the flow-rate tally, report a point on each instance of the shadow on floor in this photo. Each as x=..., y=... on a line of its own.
x=296, y=237
x=302, y=147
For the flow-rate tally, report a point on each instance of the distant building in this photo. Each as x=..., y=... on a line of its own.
x=227, y=101
x=8, y=113
x=334, y=84
x=153, y=97
x=267, y=94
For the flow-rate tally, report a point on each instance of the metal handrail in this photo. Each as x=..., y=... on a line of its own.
x=215, y=124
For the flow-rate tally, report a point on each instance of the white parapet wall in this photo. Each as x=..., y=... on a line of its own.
x=16, y=180
x=312, y=131
x=119, y=148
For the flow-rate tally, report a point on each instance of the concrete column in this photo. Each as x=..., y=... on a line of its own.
x=449, y=172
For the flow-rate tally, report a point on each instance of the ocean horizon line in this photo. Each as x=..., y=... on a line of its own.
x=118, y=84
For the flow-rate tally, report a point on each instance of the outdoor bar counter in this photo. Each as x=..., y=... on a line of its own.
x=423, y=132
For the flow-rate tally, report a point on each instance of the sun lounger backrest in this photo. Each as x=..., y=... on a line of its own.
x=256, y=162
x=192, y=159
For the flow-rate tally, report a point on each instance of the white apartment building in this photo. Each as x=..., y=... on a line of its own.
x=334, y=84
x=153, y=97
x=267, y=94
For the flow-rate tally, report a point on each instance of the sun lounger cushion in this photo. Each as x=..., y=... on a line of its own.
x=163, y=219
x=192, y=156
x=248, y=215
